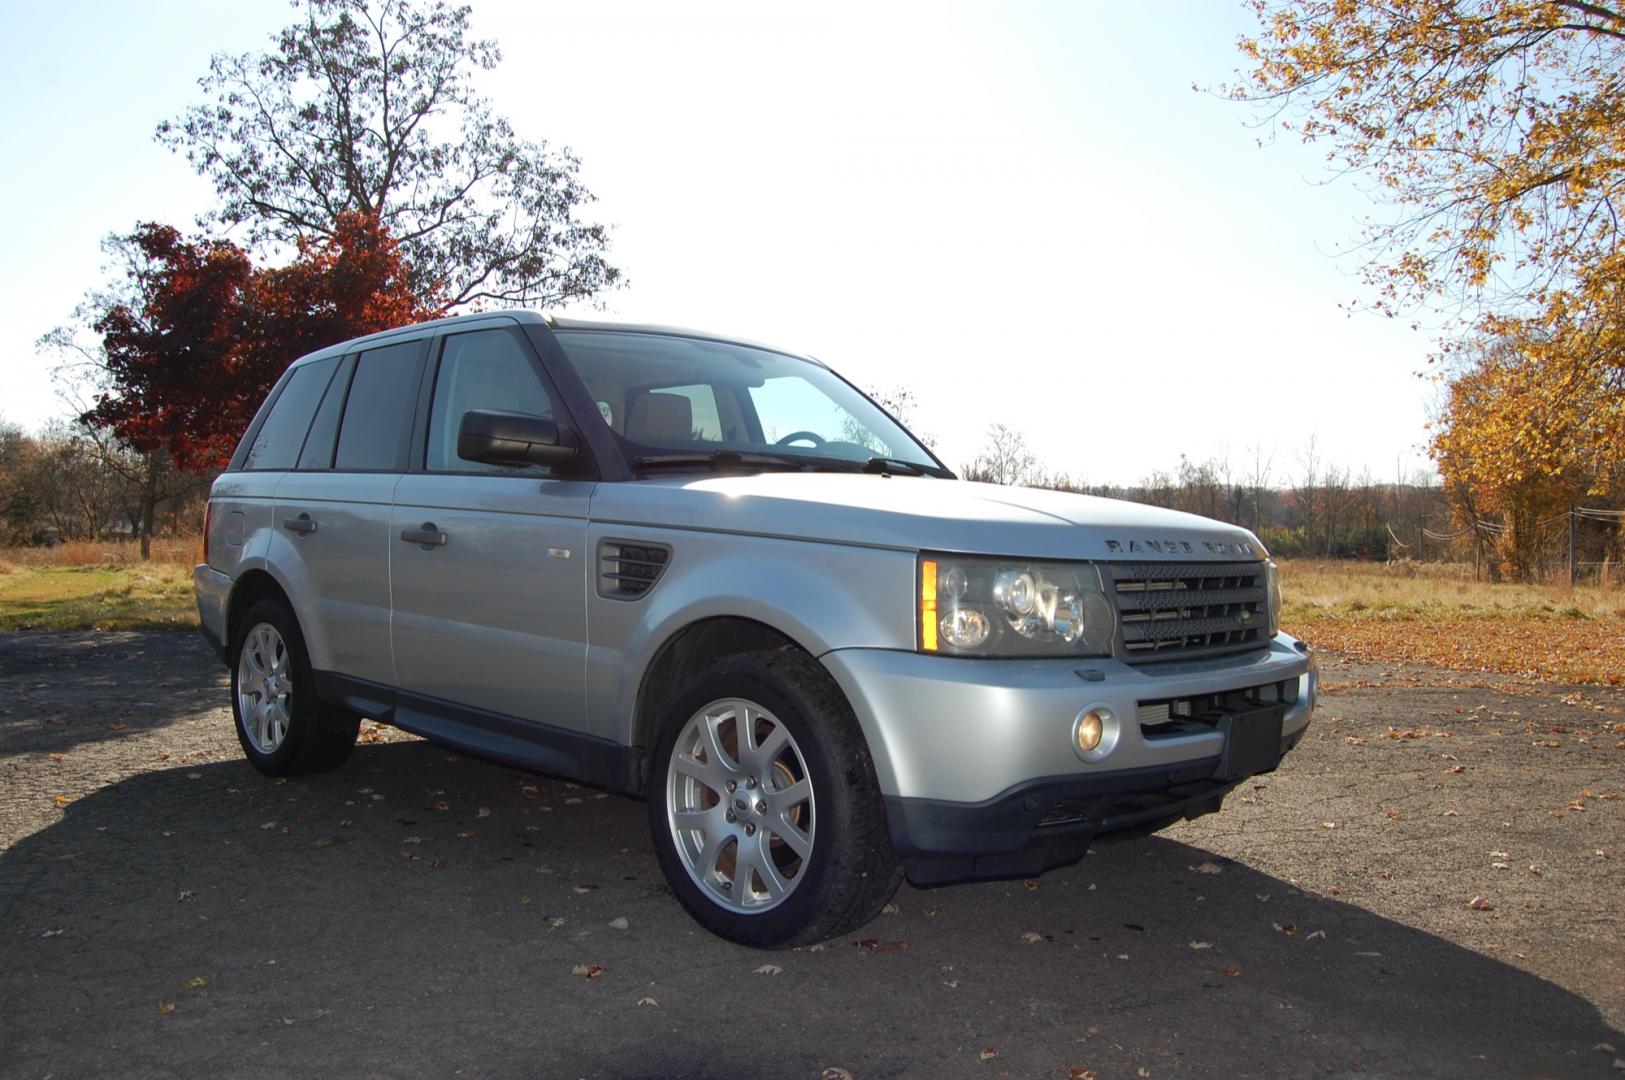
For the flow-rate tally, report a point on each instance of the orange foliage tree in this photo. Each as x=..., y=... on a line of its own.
x=1497, y=130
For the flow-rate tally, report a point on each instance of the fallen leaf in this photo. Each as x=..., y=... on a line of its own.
x=890, y=909
x=1078, y=1072
x=583, y=890
x=186, y=894
x=1201, y=945
x=651, y=1002
x=587, y=971
x=988, y=1054
x=834, y=1072
x=61, y=800
x=1031, y=885
x=119, y=725
x=1032, y=937
x=767, y=969
x=1330, y=825
x=484, y=811
x=196, y=982
x=1478, y=903
x=555, y=921
x=442, y=805
x=1393, y=815
x=1321, y=934
x=1231, y=970
x=165, y=1008
x=56, y=757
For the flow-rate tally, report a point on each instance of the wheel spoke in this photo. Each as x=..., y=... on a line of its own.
x=786, y=830
x=703, y=820
x=747, y=861
x=771, y=747
x=774, y=882
x=790, y=797
x=709, y=773
x=706, y=863
x=713, y=745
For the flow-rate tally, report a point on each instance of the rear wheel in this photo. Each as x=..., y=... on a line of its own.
x=282, y=726
x=763, y=804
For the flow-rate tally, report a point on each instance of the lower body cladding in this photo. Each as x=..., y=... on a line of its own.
x=983, y=773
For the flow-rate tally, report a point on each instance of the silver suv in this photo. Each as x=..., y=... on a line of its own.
x=716, y=575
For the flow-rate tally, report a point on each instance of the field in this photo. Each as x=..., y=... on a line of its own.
x=1434, y=613
x=98, y=586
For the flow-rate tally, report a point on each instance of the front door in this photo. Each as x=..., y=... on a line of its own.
x=488, y=572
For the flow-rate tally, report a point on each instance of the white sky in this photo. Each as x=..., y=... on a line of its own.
x=1021, y=211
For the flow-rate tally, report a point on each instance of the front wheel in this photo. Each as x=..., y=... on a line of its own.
x=282, y=726
x=763, y=804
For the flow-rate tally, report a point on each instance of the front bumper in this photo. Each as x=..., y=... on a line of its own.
x=974, y=757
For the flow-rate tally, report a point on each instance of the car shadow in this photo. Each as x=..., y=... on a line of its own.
x=420, y=912
x=128, y=681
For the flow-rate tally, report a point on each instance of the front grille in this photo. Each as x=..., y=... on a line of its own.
x=627, y=570
x=1182, y=610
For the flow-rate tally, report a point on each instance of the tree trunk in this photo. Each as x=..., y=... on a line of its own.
x=149, y=505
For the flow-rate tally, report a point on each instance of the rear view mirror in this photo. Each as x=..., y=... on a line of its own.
x=504, y=438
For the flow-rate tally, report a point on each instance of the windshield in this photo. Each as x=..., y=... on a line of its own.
x=665, y=395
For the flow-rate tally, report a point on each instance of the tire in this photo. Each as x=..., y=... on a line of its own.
x=282, y=726
x=797, y=851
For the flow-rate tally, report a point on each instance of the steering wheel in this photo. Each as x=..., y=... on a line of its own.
x=796, y=436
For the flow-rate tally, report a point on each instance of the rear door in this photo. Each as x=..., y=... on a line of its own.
x=333, y=514
x=489, y=619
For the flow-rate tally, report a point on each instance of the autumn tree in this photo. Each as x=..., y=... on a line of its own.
x=188, y=345
x=1497, y=130
x=367, y=107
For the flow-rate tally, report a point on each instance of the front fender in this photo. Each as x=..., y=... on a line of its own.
x=821, y=596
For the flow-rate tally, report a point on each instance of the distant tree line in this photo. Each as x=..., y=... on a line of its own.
x=1311, y=508
x=78, y=482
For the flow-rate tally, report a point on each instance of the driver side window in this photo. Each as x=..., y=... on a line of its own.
x=484, y=369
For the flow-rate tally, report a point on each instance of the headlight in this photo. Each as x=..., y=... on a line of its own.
x=1011, y=607
x=1272, y=585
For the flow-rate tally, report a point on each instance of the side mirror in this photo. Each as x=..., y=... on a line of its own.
x=504, y=438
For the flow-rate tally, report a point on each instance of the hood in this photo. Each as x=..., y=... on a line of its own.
x=915, y=513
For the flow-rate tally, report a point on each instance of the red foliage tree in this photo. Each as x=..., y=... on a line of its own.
x=169, y=351
x=190, y=357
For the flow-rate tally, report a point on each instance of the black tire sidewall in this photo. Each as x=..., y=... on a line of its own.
x=305, y=709
x=843, y=786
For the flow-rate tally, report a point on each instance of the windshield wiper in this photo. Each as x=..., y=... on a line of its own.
x=721, y=459
x=896, y=465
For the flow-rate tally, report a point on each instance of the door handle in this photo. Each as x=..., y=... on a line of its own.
x=426, y=534
x=303, y=525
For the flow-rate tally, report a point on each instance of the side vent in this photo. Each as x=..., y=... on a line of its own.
x=627, y=569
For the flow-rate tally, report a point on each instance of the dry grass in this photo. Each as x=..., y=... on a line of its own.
x=1436, y=614
x=184, y=551
x=1330, y=588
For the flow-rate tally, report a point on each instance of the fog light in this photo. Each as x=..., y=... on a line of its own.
x=1091, y=729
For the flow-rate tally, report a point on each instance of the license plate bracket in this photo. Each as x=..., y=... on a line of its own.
x=1252, y=743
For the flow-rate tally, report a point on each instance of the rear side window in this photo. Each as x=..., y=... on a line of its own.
x=378, y=412
x=277, y=443
x=486, y=369
x=324, y=432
